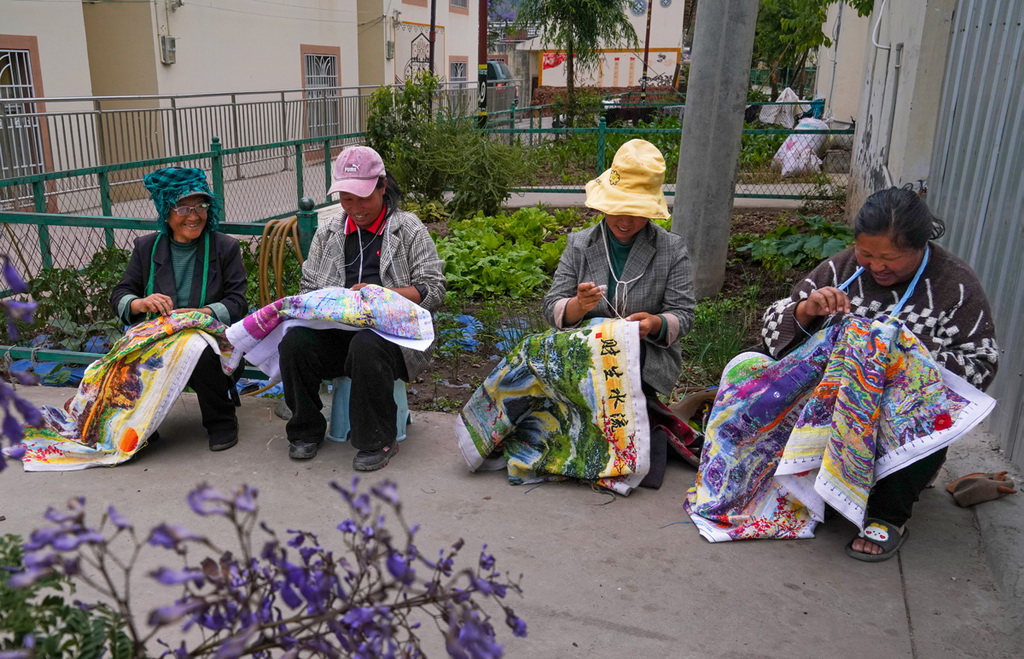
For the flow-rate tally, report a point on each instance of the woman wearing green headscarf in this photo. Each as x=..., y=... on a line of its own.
x=187, y=265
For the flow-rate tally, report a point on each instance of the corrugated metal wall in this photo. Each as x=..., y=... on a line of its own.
x=977, y=182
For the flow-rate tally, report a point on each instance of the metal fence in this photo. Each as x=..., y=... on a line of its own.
x=39, y=135
x=267, y=181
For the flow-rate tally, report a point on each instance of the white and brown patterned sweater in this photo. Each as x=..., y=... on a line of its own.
x=948, y=312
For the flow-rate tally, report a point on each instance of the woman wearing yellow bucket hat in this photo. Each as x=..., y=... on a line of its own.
x=630, y=268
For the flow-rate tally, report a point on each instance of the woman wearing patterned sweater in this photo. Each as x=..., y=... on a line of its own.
x=946, y=309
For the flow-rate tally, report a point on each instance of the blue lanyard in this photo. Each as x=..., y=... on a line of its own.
x=910, y=289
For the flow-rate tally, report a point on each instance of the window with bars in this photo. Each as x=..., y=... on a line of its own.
x=21, y=143
x=322, y=103
x=461, y=4
x=457, y=72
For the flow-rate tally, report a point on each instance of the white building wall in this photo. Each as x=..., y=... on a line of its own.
x=60, y=34
x=841, y=65
x=238, y=45
x=900, y=96
x=456, y=37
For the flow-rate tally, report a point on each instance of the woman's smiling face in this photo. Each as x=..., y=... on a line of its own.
x=625, y=227
x=888, y=264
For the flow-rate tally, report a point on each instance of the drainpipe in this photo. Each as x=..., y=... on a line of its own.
x=898, y=52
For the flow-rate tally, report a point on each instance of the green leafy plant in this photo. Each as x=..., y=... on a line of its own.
x=56, y=628
x=720, y=331
x=73, y=305
x=791, y=246
x=502, y=255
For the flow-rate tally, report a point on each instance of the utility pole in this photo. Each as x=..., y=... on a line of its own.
x=716, y=97
x=647, y=52
x=481, y=68
x=432, y=35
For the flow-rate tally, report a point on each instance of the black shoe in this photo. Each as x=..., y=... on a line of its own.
x=302, y=450
x=221, y=440
x=374, y=460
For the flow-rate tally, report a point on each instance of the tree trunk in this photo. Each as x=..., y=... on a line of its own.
x=570, y=84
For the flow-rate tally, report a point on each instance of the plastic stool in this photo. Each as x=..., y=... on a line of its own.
x=339, y=426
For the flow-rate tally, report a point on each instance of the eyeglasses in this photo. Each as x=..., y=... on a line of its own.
x=200, y=209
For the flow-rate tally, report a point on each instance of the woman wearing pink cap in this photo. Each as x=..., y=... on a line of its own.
x=371, y=241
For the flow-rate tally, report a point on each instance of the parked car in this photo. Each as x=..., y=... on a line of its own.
x=499, y=76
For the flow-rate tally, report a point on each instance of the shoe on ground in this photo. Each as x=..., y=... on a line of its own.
x=374, y=460
x=302, y=450
x=881, y=533
x=221, y=440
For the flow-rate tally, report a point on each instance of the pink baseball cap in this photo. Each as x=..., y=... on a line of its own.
x=356, y=171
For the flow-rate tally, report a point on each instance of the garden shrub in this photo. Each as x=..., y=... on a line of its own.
x=799, y=247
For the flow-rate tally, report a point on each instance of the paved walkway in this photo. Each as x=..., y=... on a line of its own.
x=603, y=575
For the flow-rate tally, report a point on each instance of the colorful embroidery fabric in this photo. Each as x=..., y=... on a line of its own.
x=373, y=307
x=854, y=403
x=124, y=395
x=563, y=404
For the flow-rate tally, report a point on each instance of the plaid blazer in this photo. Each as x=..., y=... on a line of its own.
x=407, y=257
x=665, y=286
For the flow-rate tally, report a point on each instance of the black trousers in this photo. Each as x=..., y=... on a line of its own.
x=892, y=499
x=308, y=357
x=212, y=386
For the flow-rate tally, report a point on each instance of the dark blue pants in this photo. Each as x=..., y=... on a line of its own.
x=308, y=357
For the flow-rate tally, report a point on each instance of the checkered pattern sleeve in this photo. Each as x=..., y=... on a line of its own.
x=779, y=329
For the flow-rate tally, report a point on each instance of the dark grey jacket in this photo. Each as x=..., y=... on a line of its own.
x=665, y=286
x=226, y=282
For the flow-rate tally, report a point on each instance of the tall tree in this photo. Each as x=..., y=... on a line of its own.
x=579, y=28
x=789, y=30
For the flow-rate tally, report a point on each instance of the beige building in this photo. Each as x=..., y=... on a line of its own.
x=840, y=67
x=394, y=40
x=619, y=67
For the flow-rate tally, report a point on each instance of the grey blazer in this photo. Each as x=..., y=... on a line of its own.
x=408, y=257
x=665, y=286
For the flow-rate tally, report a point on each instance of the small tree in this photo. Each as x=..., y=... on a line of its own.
x=579, y=28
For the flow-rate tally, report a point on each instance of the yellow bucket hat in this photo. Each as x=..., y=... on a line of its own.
x=632, y=186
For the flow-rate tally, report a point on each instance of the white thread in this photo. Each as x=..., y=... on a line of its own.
x=621, y=287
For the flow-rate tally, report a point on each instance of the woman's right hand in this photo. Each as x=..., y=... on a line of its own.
x=823, y=302
x=588, y=294
x=156, y=303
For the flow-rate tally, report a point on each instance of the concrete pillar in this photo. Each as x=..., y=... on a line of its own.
x=716, y=97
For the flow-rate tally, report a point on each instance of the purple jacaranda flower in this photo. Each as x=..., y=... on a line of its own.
x=16, y=310
x=28, y=577
x=235, y=645
x=290, y=597
x=399, y=568
x=174, y=612
x=39, y=559
x=205, y=500
x=245, y=499
x=76, y=506
x=348, y=526
x=16, y=654
x=172, y=577
x=117, y=519
x=387, y=491
x=171, y=536
x=486, y=560
x=12, y=429
x=14, y=280
x=517, y=625
x=297, y=539
x=71, y=540
x=16, y=451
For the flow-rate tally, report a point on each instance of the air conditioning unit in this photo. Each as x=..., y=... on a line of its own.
x=168, y=49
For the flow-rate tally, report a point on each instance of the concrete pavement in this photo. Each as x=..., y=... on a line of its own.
x=601, y=574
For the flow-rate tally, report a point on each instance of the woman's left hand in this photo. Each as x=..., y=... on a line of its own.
x=649, y=323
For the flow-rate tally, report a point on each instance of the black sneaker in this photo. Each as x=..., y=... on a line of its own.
x=302, y=450
x=221, y=440
x=374, y=460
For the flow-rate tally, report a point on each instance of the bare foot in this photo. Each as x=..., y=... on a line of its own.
x=865, y=546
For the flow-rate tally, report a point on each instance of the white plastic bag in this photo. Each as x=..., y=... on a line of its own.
x=799, y=153
x=783, y=115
